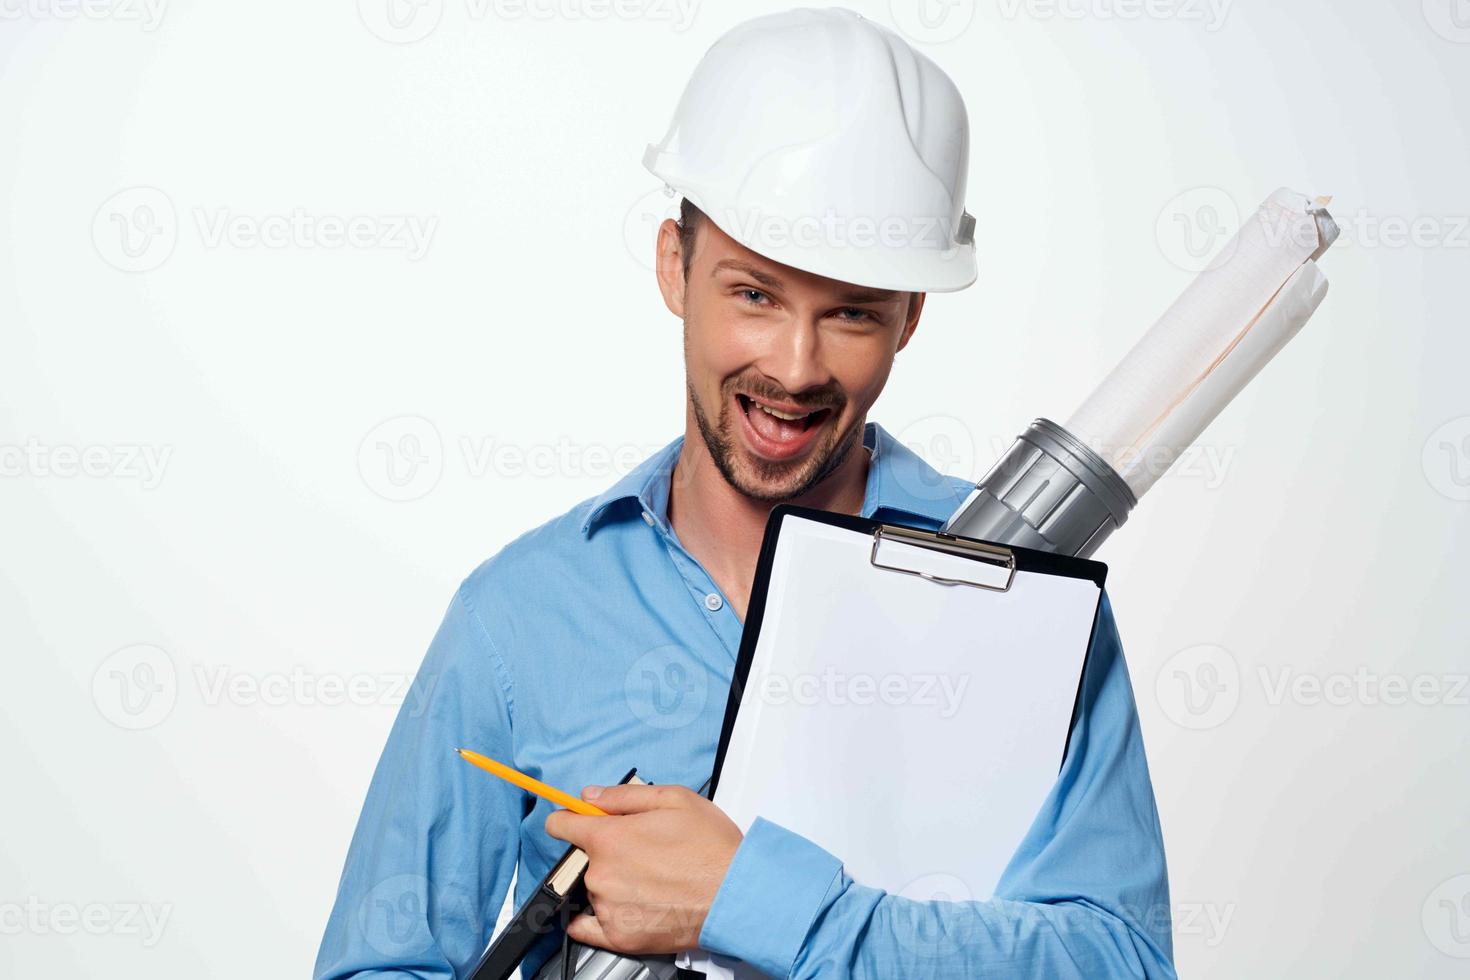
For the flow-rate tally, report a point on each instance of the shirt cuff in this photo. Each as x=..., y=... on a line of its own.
x=772, y=892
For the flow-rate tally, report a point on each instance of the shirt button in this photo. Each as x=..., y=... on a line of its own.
x=713, y=602
x=648, y=518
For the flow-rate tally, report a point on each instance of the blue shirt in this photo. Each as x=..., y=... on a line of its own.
x=596, y=642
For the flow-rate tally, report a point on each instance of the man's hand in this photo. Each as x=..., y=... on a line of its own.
x=655, y=865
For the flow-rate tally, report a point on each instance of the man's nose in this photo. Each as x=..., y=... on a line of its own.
x=795, y=358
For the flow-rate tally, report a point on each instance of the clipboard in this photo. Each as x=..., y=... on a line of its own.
x=903, y=698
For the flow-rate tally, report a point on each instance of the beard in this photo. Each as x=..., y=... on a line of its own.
x=766, y=480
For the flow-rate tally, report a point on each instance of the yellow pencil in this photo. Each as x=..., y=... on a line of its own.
x=530, y=785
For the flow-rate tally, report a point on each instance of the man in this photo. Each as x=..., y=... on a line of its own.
x=607, y=637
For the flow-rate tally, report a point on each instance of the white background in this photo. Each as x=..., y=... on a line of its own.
x=172, y=630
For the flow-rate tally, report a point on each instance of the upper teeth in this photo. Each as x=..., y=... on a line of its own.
x=788, y=416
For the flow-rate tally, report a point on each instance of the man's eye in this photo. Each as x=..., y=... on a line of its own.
x=856, y=314
x=753, y=295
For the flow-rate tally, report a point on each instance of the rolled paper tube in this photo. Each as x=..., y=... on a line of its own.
x=1233, y=318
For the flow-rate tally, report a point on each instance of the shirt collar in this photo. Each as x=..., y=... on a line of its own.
x=899, y=482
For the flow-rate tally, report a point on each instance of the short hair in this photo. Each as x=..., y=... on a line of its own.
x=689, y=218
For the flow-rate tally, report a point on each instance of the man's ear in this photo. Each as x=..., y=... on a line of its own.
x=669, y=266
x=911, y=322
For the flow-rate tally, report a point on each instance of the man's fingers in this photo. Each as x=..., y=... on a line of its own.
x=625, y=799
x=586, y=929
x=574, y=828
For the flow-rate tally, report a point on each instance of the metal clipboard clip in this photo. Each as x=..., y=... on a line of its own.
x=990, y=554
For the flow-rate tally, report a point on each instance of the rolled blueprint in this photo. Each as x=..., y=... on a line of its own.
x=1232, y=319
x=1066, y=488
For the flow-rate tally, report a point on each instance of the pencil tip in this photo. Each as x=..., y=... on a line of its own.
x=459, y=751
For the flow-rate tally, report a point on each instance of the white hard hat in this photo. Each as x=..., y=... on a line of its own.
x=825, y=142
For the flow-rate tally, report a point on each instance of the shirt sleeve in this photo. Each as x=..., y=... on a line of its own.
x=437, y=842
x=1085, y=896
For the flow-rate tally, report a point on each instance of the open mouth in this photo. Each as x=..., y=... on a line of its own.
x=779, y=431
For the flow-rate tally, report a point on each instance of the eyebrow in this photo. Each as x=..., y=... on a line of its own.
x=851, y=295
